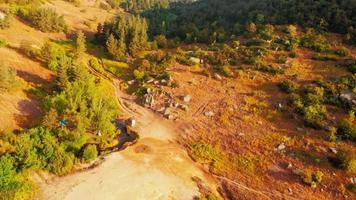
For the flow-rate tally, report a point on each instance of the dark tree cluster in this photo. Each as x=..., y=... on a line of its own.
x=44, y=19
x=217, y=20
x=138, y=5
x=124, y=36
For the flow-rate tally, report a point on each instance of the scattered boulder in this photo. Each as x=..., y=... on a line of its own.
x=290, y=190
x=2, y=15
x=353, y=180
x=161, y=110
x=131, y=82
x=300, y=129
x=334, y=150
x=187, y=98
x=290, y=166
x=195, y=60
x=183, y=107
x=281, y=147
x=209, y=114
x=131, y=122
x=149, y=100
x=298, y=172
x=167, y=112
x=170, y=117
x=348, y=97
x=217, y=76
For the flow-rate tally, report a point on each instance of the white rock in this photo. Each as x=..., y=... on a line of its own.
x=334, y=150
x=290, y=166
x=281, y=147
x=2, y=15
x=187, y=98
x=209, y=114
x=353, y=180
x=217, y=76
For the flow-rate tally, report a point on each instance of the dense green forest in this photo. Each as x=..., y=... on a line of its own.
x=218, y=20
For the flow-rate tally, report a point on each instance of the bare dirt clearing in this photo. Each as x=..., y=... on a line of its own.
x=154, y=168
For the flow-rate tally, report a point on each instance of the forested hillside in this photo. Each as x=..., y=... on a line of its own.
x=220, y=19
x=260, y=93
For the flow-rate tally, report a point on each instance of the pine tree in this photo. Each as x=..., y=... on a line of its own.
x=80, y=44
x=134, y=46
x=112, y=46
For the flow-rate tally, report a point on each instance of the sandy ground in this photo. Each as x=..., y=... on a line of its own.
x=156, y=167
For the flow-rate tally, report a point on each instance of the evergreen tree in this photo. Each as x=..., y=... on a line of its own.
x=80, y=47
x=112, y=46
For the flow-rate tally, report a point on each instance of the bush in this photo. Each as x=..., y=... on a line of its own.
x=29, y=49
x=94, y=63
x=139, y=75
x=346, y=157
x=162, y=41
x=320, y=57
x=206, y=153
x=289, y=86
x=331, y=134
x=347, y=129
x=5, y=22
x=61, y=162
x=314, y=115
x=270, y=69
x=8, y=80
x=2, y=42
x=342, y=51
x=12, y=184
x=46, y=20
x=315, y=41
x=312, y=178
x=90, y=153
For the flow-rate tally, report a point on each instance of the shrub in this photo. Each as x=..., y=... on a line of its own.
x=29, y=49
x=314, y=115
x=289, y=86
x=312, y=178
x=342, y=51
x=90, y=153
x=8, y=80
x=206, y=153
x=61, y=162
x=139, y=75
x=114, y=3
x=94, y=63
x=162, y=41
x=12, y=184
x=320, y=57
x=248, y=163
x=270, y=69
x=2, y=42
x=351, y=36
x=347, y=159
x=347, y=129
x=331, y=134
x=5, y=22
x=46, y=20
x=315, y=41
x=352, y=68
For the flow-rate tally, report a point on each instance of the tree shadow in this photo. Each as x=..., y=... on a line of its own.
x=30, y=112
x=32, y=78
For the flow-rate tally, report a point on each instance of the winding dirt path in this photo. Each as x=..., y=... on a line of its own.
x=156, y=167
